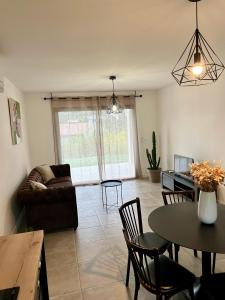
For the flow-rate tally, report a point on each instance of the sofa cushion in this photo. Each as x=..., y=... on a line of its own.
x=35, y=185
x=59, y=180
x=46, y=172
x=34, y=176
x=59, y=184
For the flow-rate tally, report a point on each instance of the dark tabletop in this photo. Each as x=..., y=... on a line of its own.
x=111, y=183
x=179, y=223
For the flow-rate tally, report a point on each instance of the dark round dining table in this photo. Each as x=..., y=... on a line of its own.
x=179, y=224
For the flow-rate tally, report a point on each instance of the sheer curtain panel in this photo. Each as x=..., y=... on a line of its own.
x=98, y=146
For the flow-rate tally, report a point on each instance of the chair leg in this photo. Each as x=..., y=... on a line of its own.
x=137, y=286
x=191, y=293
x=195, y=253
x=214, y=263
x=170, y=251
x=128, y=270
x=177, y=248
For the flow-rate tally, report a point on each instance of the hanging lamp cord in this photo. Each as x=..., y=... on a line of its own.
x=113, y=85
x=196, y=8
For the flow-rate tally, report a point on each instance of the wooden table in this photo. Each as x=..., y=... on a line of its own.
x=22, y=263
x=179, y=224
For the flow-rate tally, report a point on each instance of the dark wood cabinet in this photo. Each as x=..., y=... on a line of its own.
x=175, y=182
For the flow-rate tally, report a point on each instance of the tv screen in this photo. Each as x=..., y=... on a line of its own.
x=182, y=163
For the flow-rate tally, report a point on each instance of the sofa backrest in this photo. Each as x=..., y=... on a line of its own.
x=35, y=176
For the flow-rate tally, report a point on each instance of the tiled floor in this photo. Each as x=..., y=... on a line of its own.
x=90, y=264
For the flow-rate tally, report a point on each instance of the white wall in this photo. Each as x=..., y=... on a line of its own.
x=40, y=129
x=14, y=160
x=192, y=122
x=147, y=121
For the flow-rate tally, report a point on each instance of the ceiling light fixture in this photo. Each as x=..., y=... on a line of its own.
x=114, y=107
x=198, y=64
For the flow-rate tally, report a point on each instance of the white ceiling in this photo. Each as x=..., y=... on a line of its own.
x=74, y=45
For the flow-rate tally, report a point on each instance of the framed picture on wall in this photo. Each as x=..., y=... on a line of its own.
x=15, y=121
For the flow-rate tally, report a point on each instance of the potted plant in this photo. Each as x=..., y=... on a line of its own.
x=154, y=163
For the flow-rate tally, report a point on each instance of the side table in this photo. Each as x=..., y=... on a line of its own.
x=111, y=184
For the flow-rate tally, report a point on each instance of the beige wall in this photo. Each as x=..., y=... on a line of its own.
x=192, y=122
x=147, y=121
x=40, y=130
x=14, y=160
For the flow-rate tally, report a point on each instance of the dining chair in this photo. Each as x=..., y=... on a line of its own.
x=157, y=273
x=211, y=287
x=130, y=213
x=220, y=197
x=172, y=197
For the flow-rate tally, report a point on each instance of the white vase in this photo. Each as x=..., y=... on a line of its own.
x=207, y=207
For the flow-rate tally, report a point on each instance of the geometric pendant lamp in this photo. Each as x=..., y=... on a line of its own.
x=114, y=106
x=198, y=64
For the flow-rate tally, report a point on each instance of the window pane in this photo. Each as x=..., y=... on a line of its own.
x=78, y=144
x=117, y=145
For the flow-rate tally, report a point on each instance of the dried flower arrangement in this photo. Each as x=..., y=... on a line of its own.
x=207, y=176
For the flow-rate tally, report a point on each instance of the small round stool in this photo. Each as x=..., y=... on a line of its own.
x=111, y=184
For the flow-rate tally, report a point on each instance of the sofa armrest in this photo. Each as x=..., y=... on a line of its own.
x=62, y=170
x=47, y=196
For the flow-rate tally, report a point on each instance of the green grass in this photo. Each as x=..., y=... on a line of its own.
x=85, y=145
x=92, y=160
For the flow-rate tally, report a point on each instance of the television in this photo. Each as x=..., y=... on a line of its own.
x=182, y=164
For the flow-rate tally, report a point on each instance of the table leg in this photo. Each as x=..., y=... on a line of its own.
x=116, y=196
x=106, y=201
x=102, y=197
x=121, y=189
x=206, y=263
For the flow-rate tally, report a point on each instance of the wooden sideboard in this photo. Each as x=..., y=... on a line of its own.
x=22, y=264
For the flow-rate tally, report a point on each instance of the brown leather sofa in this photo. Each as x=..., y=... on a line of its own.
x=52, y=208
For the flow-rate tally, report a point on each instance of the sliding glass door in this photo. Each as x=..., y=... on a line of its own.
x=77, y=144
x=97, y=145
x=117, y=145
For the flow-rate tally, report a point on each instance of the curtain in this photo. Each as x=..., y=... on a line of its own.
x=97, y=145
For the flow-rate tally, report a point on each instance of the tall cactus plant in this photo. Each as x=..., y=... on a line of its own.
x=152, y=157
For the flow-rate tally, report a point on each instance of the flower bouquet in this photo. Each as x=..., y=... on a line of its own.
x=207, y=177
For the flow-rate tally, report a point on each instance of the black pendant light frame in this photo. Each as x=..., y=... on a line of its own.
x=114, y=102
x=197, y=51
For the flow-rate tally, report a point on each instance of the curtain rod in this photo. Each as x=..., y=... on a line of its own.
x=86, y=97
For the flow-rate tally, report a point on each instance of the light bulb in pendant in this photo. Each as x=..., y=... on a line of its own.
x=114, y=108
x=197, y=69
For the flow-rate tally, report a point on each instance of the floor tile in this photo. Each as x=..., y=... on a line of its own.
x=89, y=222
x=63, y=279
x=60, y=258
x=70, y=296
x=113, y=291
x=110, y=218
x=98, y=272
x=89, y=250
x=90, y=234
x=60, y=241
x=118, y=245
x=113, y=230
